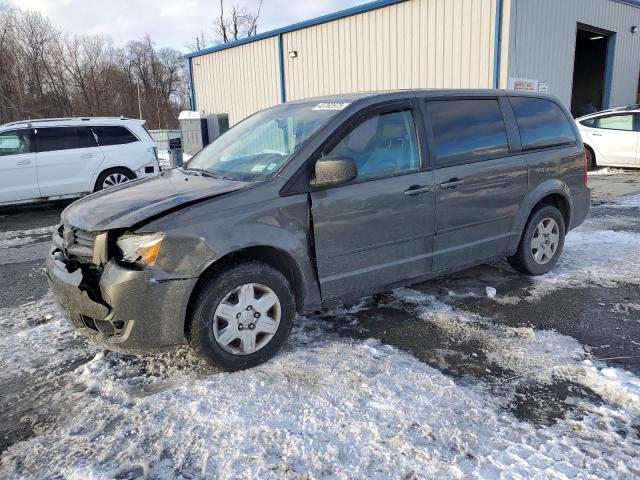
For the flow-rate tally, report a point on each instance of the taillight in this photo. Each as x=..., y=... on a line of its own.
x=586, y=166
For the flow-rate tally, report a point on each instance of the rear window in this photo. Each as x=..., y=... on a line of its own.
x=467, y=130
x=64, y=138
x=114, y=136
x=542, y=123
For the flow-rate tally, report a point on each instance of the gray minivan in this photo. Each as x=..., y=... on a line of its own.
x=309, y=203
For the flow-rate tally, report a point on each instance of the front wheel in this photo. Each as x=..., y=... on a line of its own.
x=242, y=316
x=541, y=243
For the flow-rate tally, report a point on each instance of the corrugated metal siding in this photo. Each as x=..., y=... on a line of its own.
x=238, y=81
x=414, y=44
x=541, y=43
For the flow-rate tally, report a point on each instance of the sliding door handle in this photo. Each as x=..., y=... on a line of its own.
x=24, y=162
x=453, y=183
x=417, y=189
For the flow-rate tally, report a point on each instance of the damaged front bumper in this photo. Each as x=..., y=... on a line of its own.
x=123, y=309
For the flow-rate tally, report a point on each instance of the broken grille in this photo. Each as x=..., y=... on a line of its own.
x=77, y=242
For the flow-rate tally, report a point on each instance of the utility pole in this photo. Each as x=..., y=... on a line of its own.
x=139, y=103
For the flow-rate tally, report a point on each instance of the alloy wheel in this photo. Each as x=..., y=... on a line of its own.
x=114, y=179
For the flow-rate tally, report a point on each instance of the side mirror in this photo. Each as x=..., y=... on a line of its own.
x=335, y=170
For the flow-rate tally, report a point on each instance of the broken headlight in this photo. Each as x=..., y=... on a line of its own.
x=141, y=249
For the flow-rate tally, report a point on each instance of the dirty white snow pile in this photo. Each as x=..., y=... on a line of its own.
x=607, y=171
x=595, y=256
x=11, y=239
x=327, y=407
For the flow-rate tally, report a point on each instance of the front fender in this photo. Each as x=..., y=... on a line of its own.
x=200, y=235
x=552, y=186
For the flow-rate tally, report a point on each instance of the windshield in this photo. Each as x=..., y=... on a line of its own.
x=258, y=146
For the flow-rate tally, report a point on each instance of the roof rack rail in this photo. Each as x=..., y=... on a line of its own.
x=62, y=119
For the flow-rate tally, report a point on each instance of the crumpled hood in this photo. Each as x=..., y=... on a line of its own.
x=129, y=204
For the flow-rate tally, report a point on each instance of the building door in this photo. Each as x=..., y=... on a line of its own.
x=591, y=75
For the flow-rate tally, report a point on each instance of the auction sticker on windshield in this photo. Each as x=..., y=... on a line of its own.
x=331, y=106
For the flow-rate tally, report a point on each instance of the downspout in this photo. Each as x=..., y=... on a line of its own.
x=497, y=47
x=191, y=90
x=283, y=89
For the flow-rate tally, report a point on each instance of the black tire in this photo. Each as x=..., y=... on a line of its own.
x=200, y=329
x=591, y=159
x=100, y=182
x=524, y=260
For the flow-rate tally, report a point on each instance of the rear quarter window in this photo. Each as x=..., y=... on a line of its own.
x=114, y=135
x=542, y=123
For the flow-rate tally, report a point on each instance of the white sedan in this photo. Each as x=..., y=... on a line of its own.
x=611, y=137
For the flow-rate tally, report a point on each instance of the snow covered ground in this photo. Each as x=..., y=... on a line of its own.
x=337, y=403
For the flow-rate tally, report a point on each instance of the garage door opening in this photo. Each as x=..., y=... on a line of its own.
x=590, y=72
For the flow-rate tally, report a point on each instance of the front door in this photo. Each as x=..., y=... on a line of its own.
x=67, y=159
x=377, y=229
x=18, y=179
x=614, y=138
x=479, y=185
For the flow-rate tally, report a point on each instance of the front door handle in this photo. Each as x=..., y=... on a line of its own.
x=24, y=162
x=597, y=134
x=453, y=183
x=417, y=189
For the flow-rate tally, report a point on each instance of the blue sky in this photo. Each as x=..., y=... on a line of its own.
x=171, y=23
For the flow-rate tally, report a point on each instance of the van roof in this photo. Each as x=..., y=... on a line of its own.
x=70, y=121
x=423, y=93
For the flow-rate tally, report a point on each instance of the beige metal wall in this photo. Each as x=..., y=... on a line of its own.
x=542, y=38
x=413, y=44
x=238, y=81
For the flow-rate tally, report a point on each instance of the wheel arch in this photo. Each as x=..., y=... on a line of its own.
x=272, y=256
x=555, y=194
x=108, y=170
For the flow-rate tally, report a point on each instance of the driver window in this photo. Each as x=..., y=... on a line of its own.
x=15, y=142
x=382, y=146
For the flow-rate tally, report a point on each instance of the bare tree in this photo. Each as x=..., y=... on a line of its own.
x=199, y=42
x=239, y=23
x=44, y=73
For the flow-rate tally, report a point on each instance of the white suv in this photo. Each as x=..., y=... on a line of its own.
x=611, y=137
x=52, y=159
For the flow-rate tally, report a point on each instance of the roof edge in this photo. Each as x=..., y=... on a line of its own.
x=631, y=3
x=366, y=7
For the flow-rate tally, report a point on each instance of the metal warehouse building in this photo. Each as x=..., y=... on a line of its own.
x=574, y=49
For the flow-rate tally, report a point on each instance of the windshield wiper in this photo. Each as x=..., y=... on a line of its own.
x=202, y=171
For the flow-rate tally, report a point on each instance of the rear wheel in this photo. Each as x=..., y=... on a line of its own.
x=113, y=177
x=591, y=159
x=242, y=316
x=541, y=243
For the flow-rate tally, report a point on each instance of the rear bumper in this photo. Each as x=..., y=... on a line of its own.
x=125, y=310
x=581, y=203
